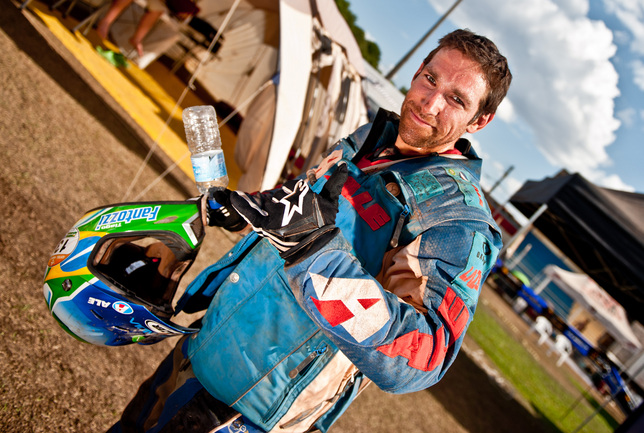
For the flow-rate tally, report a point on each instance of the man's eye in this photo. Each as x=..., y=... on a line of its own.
x=430, y=79
x=458, y=100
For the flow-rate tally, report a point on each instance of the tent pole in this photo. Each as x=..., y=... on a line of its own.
x=542, y=285
x=517, y=258
x=522, y=231
x=406, y=57
x=499, y=180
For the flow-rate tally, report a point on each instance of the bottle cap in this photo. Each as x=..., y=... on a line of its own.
x=212, y=204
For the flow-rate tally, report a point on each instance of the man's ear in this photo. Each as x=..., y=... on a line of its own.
x=480, y=122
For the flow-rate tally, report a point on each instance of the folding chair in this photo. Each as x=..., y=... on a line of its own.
x=543, y=327
x=563, y=347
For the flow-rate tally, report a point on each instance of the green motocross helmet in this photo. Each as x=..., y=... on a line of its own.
x=111, y=280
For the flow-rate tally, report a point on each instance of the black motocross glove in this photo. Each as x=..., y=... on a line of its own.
x=297, y=221
x=223, y=214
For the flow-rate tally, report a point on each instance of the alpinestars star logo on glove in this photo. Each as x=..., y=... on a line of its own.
x=302, y=188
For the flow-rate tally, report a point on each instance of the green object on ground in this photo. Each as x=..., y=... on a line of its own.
x=522, y=277
x=116, y=59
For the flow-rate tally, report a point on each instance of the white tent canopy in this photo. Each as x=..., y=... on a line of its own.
x=582, y=289
x=298, y=56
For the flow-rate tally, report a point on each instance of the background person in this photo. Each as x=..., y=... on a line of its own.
x=153, y=11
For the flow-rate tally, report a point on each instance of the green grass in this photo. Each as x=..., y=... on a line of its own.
x=548, y=397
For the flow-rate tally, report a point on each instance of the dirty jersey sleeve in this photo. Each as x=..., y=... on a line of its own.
x=405, y=335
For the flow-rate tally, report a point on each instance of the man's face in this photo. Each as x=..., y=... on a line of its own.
x=441, y=104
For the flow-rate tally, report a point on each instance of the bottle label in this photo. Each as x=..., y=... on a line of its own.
x=209, y=166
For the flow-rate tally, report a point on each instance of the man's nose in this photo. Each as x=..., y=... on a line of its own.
x=433, y=103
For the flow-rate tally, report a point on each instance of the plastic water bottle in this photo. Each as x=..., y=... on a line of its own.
x=204, y=142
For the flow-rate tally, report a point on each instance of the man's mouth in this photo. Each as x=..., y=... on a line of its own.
x=420, y=120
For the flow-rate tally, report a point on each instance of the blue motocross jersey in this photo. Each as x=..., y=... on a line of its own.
x=388, y=299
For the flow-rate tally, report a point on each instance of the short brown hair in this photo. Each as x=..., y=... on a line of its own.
x=483, y=51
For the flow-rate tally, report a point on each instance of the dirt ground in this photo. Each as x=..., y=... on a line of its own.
x=64, y=151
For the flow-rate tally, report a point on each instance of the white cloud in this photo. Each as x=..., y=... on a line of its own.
x=564, y=82
x=506, y=111
x=631, y=14
x=611, y=181
x=627, y=117
x=638, y=73
x=621, y=37
x=574, y=8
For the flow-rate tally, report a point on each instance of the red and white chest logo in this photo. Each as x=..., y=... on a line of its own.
x=355, y=304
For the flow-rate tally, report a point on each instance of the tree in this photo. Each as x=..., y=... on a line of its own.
x=369, y=49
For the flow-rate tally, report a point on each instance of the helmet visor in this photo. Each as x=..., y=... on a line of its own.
x=145, y=267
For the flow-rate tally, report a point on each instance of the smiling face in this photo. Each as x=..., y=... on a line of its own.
x=442, y=104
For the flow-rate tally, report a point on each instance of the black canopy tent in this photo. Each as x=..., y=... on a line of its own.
x=599, y=229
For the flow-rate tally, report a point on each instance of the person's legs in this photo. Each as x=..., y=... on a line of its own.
x=173, y=400
x=117, y=6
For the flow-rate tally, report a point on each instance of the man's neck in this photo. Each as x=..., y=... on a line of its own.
x=408, y=150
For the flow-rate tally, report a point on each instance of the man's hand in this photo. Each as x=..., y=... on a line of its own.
x=222, y=214
x=293, y=218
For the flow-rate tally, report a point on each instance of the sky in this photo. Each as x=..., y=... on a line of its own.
x=577, y=97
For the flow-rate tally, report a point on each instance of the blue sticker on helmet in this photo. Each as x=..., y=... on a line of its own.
x=122, y=307
x=78, y=259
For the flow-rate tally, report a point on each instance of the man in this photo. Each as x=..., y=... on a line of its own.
x=370, y=271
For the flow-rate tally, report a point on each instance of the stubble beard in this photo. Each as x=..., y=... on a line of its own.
x=414, y=135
